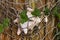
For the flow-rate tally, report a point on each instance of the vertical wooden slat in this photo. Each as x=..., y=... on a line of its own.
x=19, y=6
x=41, y=31
x=42, y=26
x=14, y=31
x=49, y=28
x=2, y=36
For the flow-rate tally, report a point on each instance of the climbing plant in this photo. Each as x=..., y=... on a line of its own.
x=46, y=11
x=56, y=13
x=4, y=24
x=36, y=12
x=24, y=17
x=1, y=28
x=58, y=25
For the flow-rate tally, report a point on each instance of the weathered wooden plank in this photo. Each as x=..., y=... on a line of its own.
x=49, y=28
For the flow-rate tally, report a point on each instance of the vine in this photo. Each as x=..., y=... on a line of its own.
x=4, y=24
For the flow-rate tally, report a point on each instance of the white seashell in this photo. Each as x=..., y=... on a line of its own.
x=38, y=20
x=19, y=31
x=16, y=20
x=24, y=25
x=29, y=14
x=46, y=19
x=25, y=30
x=30, y=9
x=33, y=18
x=31, y=24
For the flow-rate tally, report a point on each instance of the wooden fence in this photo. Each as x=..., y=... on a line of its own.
x=46, y=31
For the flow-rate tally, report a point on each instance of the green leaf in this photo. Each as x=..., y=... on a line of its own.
x=1, y=28
x=58, y=25
x=23, y=16
x=6, y=22
x=56, y=12
x=47, y=11
x=36, y=12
